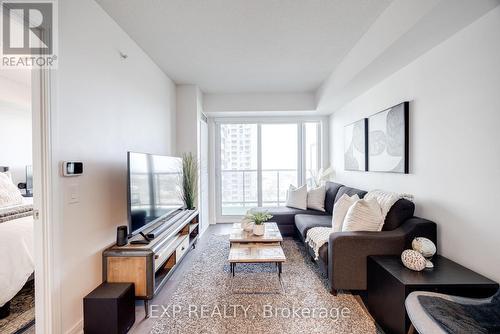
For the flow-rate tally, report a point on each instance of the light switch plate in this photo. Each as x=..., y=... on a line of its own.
x=73, y=193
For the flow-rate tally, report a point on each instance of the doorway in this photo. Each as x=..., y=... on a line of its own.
x=17, y=282
x=30, y=297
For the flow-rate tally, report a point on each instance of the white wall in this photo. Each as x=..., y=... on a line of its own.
x=189, y=114
x=189, y=108
x=454, y=141
x=15, y=125
x=220, y=104
x=106, y=106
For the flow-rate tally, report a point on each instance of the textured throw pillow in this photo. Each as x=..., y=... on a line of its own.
x=9, y=194
x=340, y=210
x=316, y=198
x=297, y=197
x=364, y=215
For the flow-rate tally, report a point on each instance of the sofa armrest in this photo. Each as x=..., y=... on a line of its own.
x=348, y=251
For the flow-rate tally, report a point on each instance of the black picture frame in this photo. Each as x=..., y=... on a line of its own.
x=401, y=141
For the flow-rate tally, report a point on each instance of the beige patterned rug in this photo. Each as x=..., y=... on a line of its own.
x=208, y=300
x=22, y=311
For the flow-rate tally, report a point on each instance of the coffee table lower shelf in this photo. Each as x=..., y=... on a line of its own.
x=257, y=253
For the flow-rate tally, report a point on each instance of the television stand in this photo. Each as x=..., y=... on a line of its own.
x=150, y=266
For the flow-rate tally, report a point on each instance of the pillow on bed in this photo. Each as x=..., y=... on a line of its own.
x=9, y=194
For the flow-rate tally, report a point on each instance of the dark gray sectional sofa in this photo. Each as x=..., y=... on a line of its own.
x=344, y=256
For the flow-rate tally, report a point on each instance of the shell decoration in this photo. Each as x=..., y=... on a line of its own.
x=424, y=246
x=413, y=260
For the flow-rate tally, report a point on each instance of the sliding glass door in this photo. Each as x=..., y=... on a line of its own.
x=257, y=162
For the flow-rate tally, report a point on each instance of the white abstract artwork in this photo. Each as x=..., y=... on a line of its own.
x=355, y=146
x=388, y=141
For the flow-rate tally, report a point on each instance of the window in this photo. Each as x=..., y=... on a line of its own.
x=258, y=161
x=238, y=169
x=312, y=150
x=280, y=164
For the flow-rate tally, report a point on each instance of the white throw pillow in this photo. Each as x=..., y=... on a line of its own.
x=316, y=198
x=364, y=215
x=297, y=197
x=9, y=194
x=340, y=210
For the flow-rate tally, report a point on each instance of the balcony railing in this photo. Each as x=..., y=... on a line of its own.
x=239, y=189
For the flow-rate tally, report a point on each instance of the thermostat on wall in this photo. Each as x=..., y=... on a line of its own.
x=72, y=168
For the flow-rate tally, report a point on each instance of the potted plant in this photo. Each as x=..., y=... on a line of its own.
x=189, y=180
x=259, y=218
x=319, y=177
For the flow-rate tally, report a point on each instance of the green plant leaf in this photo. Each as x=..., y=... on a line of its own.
x=189, y=180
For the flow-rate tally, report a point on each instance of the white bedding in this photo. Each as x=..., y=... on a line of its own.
x=16, y=256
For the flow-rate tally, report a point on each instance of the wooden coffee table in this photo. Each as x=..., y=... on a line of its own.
x=271, y=234
x=245, y=247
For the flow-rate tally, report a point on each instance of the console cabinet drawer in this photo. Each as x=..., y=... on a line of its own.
x=182, y=248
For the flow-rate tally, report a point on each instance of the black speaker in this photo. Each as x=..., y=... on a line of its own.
x=109, y=309
x=121, y=236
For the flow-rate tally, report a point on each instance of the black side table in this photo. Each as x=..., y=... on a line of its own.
x=389, y=283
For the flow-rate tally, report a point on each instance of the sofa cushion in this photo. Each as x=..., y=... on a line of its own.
x=401, y=211
x=297, y=197
x=331, y=192
x=340, y=211
x=350, y=192
x=283, y=215
x=316, y=198
x=305, y=222
x=363, y=215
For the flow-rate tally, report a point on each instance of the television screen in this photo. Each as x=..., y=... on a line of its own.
x=153, y=189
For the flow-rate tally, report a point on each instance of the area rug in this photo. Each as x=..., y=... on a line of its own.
x=208, y=300
x=22, y=311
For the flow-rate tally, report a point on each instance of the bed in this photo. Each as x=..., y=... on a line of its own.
x=16, y=243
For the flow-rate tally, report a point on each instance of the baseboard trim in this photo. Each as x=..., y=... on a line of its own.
x=77, y=328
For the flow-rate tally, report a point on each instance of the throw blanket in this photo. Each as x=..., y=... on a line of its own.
x=462, y=318
x=15, y=211
x=317, y=237
x=385, y=199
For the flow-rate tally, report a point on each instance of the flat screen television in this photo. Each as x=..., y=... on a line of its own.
x=153, y=189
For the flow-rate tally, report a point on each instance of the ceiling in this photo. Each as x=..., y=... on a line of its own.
x=246, y=46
